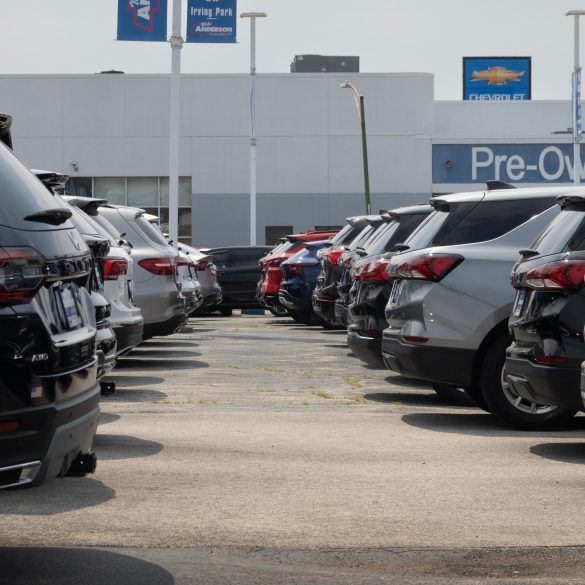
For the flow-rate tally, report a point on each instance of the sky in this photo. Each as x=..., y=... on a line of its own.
x=431, y=36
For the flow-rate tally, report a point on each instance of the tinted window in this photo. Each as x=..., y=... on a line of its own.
x=22, y=194
x=491, y=219
x=421, y=236
x=565, y=232
x=395, y=233
x=106, y=225
x=378, y=243
x=347, y=234
x=150, y=231
x=366, y=233
x=242, y=258
x=82, y=222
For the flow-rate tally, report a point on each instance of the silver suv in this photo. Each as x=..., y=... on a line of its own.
x=451, y=297
x=157, y=290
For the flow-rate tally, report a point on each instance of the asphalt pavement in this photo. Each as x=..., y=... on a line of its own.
x=254, y=450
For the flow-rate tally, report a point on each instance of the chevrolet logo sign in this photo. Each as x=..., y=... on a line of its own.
x=497, y=75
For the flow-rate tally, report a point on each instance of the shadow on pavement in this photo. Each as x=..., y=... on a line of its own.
x=408, y=382
x=60, y=566
x=54, y=496
x=131, y=381
x=413, y=399
x=134, y=395
x=160, y=364
x=111, y=447
x=106, y=418
x=564, y=452
x=164, y=353
x=484, y=425
x=178, y=343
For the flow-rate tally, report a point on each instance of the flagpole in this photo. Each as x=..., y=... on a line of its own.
x=175, y=123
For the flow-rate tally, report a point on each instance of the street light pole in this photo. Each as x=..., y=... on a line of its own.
x=359, y=102
x=253, y=16
x=576, y=98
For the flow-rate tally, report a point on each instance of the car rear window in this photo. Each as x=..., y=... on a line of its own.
x=242, y=258
x=365, y=234
x=107, y=225
x=565, y=233
x=475, y=221
x=22, y=194
x=150, y=231
x=395, y=232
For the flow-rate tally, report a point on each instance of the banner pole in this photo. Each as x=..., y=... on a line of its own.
x=175, y=123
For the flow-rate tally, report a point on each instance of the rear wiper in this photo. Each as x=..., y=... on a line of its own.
x=528, y=252
x=50, y=216
x=401, y=247
x=360, y=251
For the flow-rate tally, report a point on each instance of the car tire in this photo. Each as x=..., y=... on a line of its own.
x=300, y=318
x=324, y=322
x=452, y=395
x=279, y=311
x=225, y=312
x=507, y=406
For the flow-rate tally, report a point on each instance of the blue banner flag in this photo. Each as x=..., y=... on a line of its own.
x=577, y=105
x=211, y=21
x=142, y=20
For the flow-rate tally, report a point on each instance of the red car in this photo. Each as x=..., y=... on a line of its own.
x=269, y=284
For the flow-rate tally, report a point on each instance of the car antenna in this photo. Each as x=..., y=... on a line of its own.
x=493, y=185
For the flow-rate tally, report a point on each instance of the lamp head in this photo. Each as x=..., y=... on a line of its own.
x=253, y=15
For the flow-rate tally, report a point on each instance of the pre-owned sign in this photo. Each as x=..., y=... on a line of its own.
x=516, y=163
x=211, y=21
x=496, y=78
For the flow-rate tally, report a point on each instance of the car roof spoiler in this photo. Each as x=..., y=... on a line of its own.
x=567, y=200
x=496, y=185
x=85, y=202
x=50, y=179
x=5, y=134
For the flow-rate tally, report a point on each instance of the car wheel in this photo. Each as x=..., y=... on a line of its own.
x=300, y=317
x=279, y=311
x=451, y=394
x=508, y=406
x=225, y=312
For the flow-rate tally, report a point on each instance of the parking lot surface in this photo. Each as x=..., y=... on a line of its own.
x=252, y=449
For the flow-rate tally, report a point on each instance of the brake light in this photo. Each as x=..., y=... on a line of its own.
x=415, y=339
x=201, y=265
x=429, y=267
x=347, y=261
x=275, y=263
x=10, y=426
x=159, y=266
x=376, y=271
x=115, y=267
x=297, y=268
x=550, y=360
x=556, y=275
x=184, y=261
x=334, y=254
x=22, y=273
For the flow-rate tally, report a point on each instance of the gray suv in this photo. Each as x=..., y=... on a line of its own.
x=451, y=298
x=157, y=289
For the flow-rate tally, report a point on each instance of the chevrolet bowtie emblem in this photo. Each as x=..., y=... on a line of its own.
x=497, y=75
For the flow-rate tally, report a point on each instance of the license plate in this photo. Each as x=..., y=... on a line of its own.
x=519, y=303
x=70, y=306
x=396, y=286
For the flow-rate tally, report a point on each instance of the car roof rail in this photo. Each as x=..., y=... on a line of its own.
x=494, y=185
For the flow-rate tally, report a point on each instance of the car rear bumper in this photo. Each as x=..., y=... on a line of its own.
x=546, y=385
x=302, y=304
x=51, y=437
x=128, y=336
x=367, y=349
x=436, y=364
x=324, y=308
x=341, y=314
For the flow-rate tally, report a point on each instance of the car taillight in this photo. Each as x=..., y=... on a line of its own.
x=556, y=275
x=297, y=269
x=376, y=271
x=346, y=261
x=115, y=267
x=201, y=265
x=22, y=273
x=550, y=360
x=182, y=261
x=275, y=263
x=429, y=267
x=10, y=426
x=334, y=254
x=159, y=266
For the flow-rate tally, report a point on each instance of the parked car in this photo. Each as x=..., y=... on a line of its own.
x=543, y=363
x=450, y=301
x=370, y=288
x=326, y=293
x=299, y=277
x=271, y=277
x=49, y=398
x=118, y=277
x=206, y=274
x=369, y=232
x=238, y=273
x=156, y=290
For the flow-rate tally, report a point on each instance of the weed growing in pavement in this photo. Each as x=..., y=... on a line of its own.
x=353, y=381
x=323, y=395
x=354, y=398
x=268, y=369
x=305, y=403
x=308, y=373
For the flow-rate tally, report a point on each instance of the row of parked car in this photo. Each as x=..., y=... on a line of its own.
x=82, y=283
x=481, y=293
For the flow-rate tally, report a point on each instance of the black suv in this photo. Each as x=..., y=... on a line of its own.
x=238, y=273
x=370, y=289
x=543, y=363
x=49, y=395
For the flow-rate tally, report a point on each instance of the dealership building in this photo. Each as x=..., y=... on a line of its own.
x=110, y=133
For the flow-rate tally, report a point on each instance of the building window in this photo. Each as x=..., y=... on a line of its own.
x=80, y=186
x=111, y=188
x=272, y=233
x=142, y=191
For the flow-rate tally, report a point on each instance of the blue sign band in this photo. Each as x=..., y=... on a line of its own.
x=142, y=20
x=211, y=21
